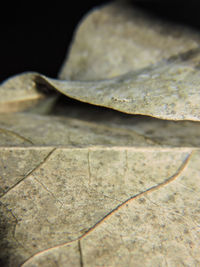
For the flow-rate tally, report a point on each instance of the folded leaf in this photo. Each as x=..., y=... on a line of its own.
x=91, y=186
x=18, y=94
x=34, y=130
x=155, y=67
x=167, y=90
x=71, y=203
x=118, y=38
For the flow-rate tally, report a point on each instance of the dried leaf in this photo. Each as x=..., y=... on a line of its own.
x=76, y=191
x=87, y=186
x=159, y=63
x=118, y=38
x=29, y=129
x=157, y=227
x=168, y=90
x=19, y=94
x=118, y=130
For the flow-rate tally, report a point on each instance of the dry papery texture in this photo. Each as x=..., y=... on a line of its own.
x=119, y=38
x=19, y=94
x=109, y=206
x=123, y=59
x=82, y=185
x=74, y=191
x=95, y=127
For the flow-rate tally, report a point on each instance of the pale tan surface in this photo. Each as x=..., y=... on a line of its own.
x=137, y=64
x=19, y=94
x=81, y=194
x=168, y=90
x=117, y=38
x=66, y=255
x=28, y=129
x=90, y=186
x=99, y=127
x=159, y=228
x=61, y=178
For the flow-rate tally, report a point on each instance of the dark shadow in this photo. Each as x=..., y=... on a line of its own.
x=183, y=12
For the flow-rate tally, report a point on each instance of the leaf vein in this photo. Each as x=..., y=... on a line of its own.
x=29, y=173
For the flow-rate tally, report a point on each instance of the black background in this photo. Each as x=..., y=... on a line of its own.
x=35, y=37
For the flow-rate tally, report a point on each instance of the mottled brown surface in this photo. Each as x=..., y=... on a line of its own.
x=118, y=38
x=121, y=203
x=75, y=191
x=137, y=64
x=90, y=186
x=97, y=128
x=19, y=94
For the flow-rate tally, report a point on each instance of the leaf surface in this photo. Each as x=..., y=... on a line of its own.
x=111, y=191
x=19, y=94
x=28, y=129
x=98, y=185
x=66, y=182
x=126, y=60
x=118, y=38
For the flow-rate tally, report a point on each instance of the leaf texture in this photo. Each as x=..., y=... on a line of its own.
x=100, y=185
x=144, y=66
x=118, y=38
x=100, y=196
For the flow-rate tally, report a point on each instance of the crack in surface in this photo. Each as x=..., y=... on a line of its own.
x=89, y=169
x=123, y=130
x=166, y=210
x=6, y=131
x=133, y=132
x=102, y=194
x=14, y=228
x=151, y=189
x=45, y=188
x=30, y=172
x=90, y=177
x=126, y=163
x=16, y=222
x=147, y=138
x=80, y=252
